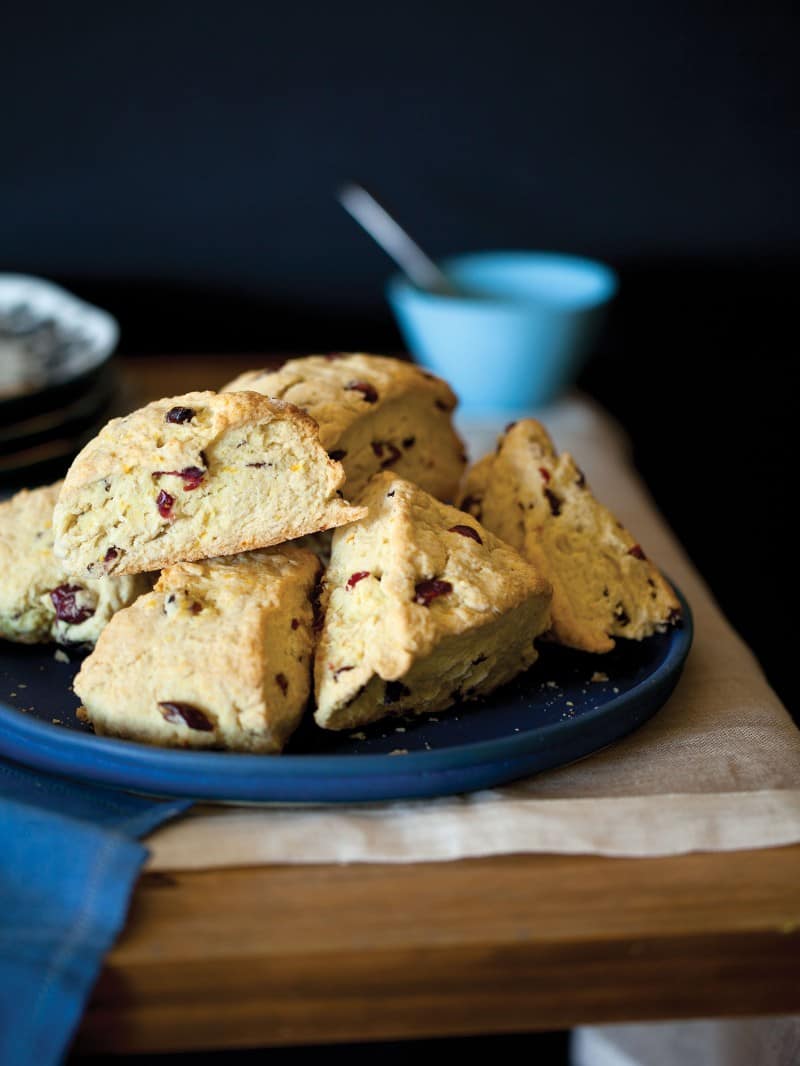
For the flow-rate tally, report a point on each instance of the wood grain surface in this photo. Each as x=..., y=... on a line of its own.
x=300, y=955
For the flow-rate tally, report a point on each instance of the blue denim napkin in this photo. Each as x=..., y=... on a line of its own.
x=68, y=862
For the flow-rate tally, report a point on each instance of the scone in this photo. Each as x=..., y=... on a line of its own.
x=538, y=501
x=374, y=413
x=39, y=599
x=193, y=477
x=217, y=656
x=423, y=607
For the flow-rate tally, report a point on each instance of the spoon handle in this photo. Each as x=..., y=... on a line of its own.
x=394, y=240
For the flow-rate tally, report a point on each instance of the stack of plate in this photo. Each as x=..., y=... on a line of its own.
x=57, y=377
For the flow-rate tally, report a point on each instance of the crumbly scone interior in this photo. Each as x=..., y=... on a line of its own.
x=397, y=438
x=264, y=475
x=39, y=600
x=539, y=502
x=217, y=656
x=413, y=577
x=374, y=413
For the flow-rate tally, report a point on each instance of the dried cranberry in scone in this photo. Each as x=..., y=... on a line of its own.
x=387, y=452
x=73, y=603
x=178, y=415
x=192, y=476
x=466, y=531
x=369, y=392
x=354, y=579
x=425, y=592
x=165, y=503
x=186, y=714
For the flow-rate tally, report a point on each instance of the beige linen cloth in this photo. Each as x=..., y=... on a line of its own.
x=717, y=768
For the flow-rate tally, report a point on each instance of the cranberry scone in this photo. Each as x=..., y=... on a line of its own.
x=374, y=413
x=194, y=477
x=40, y=600
x=217, y=656
x=538, y=501
x=423, y=607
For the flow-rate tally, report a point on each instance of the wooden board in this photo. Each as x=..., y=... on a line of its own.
x=294, y=954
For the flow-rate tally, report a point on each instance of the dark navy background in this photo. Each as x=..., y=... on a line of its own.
x=201, y=142
x=176, y=163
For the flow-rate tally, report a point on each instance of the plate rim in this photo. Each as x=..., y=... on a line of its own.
x=122, y=755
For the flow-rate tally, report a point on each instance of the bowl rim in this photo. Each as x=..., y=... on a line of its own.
x=399, y=287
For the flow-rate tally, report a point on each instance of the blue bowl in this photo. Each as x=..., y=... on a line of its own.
x=518, y=332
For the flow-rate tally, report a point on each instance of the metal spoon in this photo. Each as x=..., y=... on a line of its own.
x=418, y=267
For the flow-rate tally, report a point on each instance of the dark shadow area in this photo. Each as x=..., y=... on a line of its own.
x=698, y=364
x=181, y=318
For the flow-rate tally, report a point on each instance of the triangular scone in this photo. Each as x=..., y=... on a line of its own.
x=217, y=656
x=423, y=607
x=40, y=600
x=193, y=477
x=538, y=501
x=374, y=413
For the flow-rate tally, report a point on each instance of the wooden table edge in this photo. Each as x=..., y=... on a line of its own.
x=283, y=955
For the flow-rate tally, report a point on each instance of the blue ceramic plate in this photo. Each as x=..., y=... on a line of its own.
x=552, y=715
